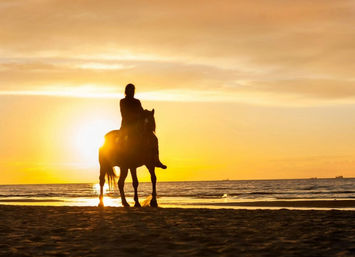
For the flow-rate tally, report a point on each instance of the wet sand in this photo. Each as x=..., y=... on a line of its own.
x=91, y=231
x=293, y=204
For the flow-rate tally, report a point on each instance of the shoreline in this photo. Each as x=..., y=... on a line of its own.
x=110, y=231
x=115, y=202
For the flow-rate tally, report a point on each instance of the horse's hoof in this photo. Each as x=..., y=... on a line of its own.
x=153, y=203
x=101, y=203
x=137, y=204
x=125, y=204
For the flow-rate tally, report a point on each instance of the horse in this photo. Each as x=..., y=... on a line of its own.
x=117, y=150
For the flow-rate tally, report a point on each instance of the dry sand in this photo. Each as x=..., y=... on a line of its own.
x=91, y=231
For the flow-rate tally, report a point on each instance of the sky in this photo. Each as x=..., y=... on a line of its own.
x=242, y=89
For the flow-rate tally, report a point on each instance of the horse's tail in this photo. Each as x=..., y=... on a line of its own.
x=106, y=169
x=111, y=177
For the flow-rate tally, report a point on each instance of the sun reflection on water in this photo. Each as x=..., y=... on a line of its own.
x=108, y=198
x=96, y=188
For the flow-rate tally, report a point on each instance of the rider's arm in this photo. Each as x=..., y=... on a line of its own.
x=122, y=109
x=140, y=106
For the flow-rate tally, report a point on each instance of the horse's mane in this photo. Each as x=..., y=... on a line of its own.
x=150, y=116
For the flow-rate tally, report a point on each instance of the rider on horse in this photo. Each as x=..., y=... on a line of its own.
x=132, y=115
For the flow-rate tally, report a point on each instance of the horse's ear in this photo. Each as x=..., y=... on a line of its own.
x=153, y=111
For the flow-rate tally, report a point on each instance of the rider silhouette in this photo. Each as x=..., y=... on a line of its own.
x=132, y=113
x=131, y=109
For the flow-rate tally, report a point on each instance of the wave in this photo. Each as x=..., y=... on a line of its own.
x=23, y=200
x=192, y=195
x=229, y=191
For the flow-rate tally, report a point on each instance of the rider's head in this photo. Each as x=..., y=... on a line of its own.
x=129, y=91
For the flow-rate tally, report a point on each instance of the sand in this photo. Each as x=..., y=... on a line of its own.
x=92, y=231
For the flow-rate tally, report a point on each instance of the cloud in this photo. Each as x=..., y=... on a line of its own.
x=270, y=50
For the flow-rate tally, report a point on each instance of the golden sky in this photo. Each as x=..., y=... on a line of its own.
x=242, y=89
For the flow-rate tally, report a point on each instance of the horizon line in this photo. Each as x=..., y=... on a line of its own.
x=168, y=181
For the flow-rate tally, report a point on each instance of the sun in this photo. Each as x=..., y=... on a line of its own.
x=89, y=137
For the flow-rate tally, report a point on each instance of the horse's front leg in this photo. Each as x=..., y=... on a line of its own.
x=135, y=186
x=153, y=202
x=123, y=175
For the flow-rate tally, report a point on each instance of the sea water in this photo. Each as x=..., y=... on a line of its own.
x=208, y=194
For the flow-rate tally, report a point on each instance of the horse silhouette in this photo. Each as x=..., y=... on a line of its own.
x=118, y=150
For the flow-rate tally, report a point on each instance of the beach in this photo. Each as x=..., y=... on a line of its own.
x=111, y=231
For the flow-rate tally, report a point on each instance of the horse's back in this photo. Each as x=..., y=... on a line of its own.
x=112, y=133
x=119, y=151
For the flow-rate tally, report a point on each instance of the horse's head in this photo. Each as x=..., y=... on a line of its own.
x=148, y=120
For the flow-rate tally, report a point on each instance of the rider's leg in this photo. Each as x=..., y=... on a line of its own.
x=155, y=149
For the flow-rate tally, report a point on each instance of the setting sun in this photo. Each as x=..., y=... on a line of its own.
x=235, y=87
x=89, y=137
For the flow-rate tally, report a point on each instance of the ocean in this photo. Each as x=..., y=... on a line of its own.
x=188, y=194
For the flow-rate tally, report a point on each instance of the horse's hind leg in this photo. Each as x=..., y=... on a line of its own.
x=135, y=186
x=123, y=175
x=153, y=177
x=103, y=170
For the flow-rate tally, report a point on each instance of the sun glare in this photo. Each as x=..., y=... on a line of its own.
x=89, y=137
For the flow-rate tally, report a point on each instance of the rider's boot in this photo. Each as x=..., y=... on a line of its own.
x=158, y=162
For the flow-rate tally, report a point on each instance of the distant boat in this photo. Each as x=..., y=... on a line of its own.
x=339, y=177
